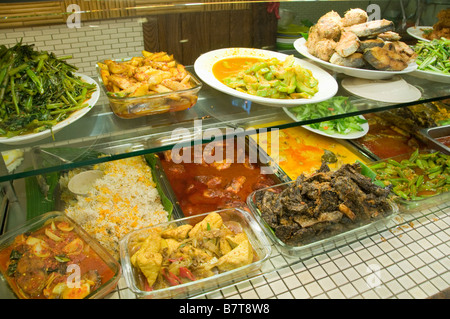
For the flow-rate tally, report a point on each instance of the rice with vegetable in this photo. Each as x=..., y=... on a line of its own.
x=123, y=199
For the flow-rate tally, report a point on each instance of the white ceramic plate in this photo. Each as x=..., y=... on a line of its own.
x=393, y=90
x=432, y=76
x=300, y=46
x=349, y=136
x=417, y=32
x=33, y=137
x=204, y=64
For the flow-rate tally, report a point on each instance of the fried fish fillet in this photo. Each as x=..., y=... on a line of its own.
x=384, y=59
x=348, y=44
x=371, y=28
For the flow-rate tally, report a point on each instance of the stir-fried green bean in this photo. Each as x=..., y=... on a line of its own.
x=415, y=178
x=275, y=79
x=433, y=55
x=37, y=90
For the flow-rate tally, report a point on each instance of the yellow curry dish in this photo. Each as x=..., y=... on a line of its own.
x=180, y=254
x=302, y=151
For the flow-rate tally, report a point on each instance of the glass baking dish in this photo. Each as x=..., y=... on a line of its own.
x=322, y=241
x=255, y=235
x=138, y=106
x=107, y=268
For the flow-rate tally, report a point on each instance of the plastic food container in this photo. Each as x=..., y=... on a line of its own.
x=133, y=107
x=324, y=243
x=259, y=242
x=107, y=266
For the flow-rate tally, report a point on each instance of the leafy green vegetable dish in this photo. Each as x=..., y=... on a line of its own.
x=434, y=55
x=333, y=106
x=37, y=90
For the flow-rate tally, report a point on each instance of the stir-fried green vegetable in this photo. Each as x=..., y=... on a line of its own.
x=37, y=90
x=335, y=105
x=275, y=79
x=433, y=55
x=417, y=177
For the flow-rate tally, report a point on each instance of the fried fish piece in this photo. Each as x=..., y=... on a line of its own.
x=347, y=45
x=371, y=28
x=354, y=60
x=384, y=59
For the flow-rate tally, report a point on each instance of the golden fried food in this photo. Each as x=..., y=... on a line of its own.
x=441, y=29
x=152, y=73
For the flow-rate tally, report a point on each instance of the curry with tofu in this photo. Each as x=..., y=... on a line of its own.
x=178, y=255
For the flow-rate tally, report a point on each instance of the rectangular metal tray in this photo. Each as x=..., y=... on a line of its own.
x=431, y=134
x=264, y=160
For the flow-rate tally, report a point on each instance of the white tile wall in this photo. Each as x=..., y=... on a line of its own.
x=93, y=41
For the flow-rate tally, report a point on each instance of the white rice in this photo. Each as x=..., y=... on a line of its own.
x=124, y=199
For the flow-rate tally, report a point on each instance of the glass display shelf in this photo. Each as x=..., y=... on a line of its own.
x=100, y=130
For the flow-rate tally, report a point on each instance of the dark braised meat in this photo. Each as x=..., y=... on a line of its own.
x=323, y=204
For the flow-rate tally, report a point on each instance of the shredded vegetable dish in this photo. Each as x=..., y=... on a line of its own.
x=269, y=78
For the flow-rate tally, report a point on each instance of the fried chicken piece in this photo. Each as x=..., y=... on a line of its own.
x=324, y=49
x=354, y=16
x=329, y=26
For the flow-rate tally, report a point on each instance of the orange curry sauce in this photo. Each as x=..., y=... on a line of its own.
x=231, y=66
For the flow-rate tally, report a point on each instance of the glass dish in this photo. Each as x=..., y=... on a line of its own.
x=259, y=242
x=133, y=107
x=6, y=290
x=414, y=205
x=324, y=243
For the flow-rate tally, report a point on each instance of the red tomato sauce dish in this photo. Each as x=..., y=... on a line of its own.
x=55, y=262
x=202, y=187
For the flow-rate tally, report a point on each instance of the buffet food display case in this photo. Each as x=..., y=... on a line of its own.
x=166, y=122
